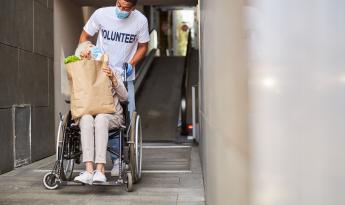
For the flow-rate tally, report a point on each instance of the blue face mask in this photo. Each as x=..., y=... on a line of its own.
x=96, y=53
x=121, y=14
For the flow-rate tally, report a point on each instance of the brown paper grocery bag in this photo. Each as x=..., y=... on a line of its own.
x=90, y=88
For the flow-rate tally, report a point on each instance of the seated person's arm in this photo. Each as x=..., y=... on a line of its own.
x=120, y=89
x=83, y=49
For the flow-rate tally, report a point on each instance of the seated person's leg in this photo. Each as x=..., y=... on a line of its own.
x=114, y=143
x=86, y=125
x=103, y=122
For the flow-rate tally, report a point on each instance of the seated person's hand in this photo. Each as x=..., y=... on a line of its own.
x=86, y=53
x=110, y=74
x=83, y=50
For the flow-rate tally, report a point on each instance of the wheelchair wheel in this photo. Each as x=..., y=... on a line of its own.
x=63, y=145
x=50, y=181
x=136, y=147
x=129, y=183
x=68, y=166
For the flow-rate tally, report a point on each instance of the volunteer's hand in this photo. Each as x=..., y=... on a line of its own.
x=130, y=68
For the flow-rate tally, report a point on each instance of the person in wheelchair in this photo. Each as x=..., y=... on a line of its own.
x=94, y=131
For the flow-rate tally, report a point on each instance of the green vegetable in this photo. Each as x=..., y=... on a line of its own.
x=71, y=59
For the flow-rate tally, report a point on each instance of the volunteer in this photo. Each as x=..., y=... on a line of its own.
x=122, y=35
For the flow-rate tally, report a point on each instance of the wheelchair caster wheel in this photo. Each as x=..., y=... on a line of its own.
x=51, y=181
x=129, y=184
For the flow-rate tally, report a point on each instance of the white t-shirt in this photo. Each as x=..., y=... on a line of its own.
x=118, y=38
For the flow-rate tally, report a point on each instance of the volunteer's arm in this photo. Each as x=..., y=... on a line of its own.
x=84, y=37
x=140, y=53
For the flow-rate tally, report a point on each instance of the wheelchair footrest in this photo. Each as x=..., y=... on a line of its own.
x=108, y=183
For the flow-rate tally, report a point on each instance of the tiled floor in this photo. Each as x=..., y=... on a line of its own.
x=24, y=186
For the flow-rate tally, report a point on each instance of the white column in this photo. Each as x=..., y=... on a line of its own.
x=297, y=107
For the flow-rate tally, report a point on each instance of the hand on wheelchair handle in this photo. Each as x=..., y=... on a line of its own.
x=128, y=68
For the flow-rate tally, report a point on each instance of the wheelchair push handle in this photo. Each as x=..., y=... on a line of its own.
x=125, y=67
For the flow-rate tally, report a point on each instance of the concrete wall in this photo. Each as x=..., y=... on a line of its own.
x=297, y=92
x=272, y=125
x=26, y=56
x=224, y=103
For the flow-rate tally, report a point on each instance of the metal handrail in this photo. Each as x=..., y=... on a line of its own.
x=144, y=68
x=184, y=88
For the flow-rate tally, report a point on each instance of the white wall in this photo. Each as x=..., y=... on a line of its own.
x=273, y=111
x=224, y=103
x=297, y=92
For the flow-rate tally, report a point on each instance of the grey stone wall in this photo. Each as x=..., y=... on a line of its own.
x=26, y=75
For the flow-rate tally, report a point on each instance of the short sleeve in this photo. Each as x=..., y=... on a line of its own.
x=93, y=25
x=144, y=35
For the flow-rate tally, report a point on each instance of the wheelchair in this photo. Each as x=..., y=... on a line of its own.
x=68, y=152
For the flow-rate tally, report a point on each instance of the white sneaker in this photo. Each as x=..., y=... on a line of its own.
x=99, y=177
x=115, y=170
x=84, y=177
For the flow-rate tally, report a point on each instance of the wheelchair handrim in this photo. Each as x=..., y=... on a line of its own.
x=58, y=141
x=138, y=147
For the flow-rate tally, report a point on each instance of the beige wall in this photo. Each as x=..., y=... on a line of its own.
x=224, y=103
x=68, y=22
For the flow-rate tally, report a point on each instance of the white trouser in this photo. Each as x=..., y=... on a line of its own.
x=94, y=135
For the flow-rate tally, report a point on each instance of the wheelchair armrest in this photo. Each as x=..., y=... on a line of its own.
x=114, y=132
x=124, y=103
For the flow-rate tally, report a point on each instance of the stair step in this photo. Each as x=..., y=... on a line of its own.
x=166, y=157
